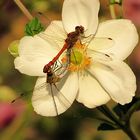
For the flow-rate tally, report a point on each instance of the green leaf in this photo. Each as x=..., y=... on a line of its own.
x=134, y=107
x=13, y=48
x=34, y=27
x=106, y=126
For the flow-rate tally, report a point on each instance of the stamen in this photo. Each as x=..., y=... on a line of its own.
x=78, y=58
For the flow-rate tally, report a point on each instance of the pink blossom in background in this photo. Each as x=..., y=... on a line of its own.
x=7, y=114
x=131, y=10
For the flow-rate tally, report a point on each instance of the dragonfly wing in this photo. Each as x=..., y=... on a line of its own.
x=42, y=99
x=54, y=34
x=56, y=29
x=34, y=54
x=43, y=102
x=99, y=56
x=98, y=43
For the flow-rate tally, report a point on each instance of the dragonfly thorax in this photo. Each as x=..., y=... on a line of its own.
x=74, y=36
x=51, y=77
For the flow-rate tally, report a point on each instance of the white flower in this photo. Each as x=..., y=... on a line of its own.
x=101, y=74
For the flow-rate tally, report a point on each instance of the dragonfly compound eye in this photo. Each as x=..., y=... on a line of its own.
x=81, y=29
x=45, y=69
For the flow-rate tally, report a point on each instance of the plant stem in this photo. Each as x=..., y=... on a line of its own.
x=126, y=128
x=130, y=133
x=112, y=9
x=132, y=110
x=106, y=111
x=24, y=9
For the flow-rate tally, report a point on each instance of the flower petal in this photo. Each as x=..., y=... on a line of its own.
x=31, y=66
x=55, y=33
x=80, y=12
x=117, y=79
x=42, y=99
x=99, y=43
x=34, y=53
x=124, y=35
x=36, y=47
x=91, y=94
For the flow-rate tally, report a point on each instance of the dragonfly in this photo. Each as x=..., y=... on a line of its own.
x=49, y=96
x=71, y=39
x=68, y=40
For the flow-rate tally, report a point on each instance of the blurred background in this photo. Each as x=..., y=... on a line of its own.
x=18, y=121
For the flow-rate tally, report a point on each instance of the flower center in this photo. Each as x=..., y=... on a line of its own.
x=78, y=58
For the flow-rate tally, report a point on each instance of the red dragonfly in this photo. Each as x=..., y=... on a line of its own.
x=71, y=39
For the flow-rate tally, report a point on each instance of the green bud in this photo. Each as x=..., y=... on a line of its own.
x=76, y=57
x=13, y=48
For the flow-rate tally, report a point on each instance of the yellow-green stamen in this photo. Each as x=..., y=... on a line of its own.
x=76, y=57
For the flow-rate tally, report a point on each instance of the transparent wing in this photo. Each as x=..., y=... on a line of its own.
x=27, y=93
x=50, y=101
x=101, y=41
x=53, y=99
x=98, y=55
x=56, y=29
x=54, y=34
x=61, y=97
x=60, y=69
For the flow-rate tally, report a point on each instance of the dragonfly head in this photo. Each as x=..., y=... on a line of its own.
x=47, y=69
x=79, y=29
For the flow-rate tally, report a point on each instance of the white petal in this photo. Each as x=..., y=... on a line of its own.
x=36, y=47
x=124, y=35
x=80, y=12
x=100, y=43
x=30, y=65
x=97, y=56
x=55, y=33
x=117, y=79
x=34, y=53
x=42, y=100
x=91, y=94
